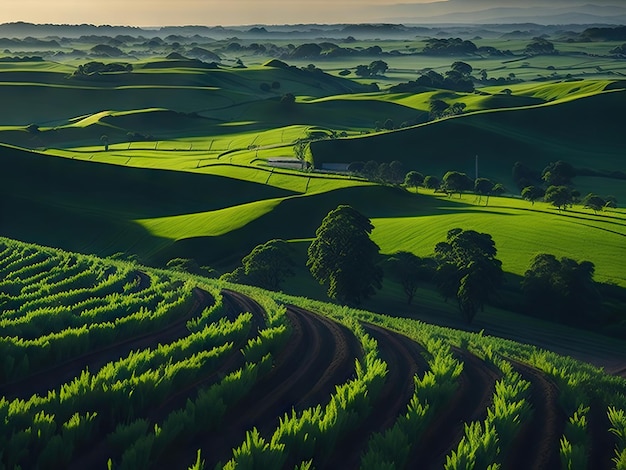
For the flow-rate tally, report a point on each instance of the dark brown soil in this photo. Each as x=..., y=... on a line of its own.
x=537, y=445
x=320, y=354
x=470, y=403
x=602, y=441
x=404, y=360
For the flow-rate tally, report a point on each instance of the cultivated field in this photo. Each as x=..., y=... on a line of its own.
x=111, y=362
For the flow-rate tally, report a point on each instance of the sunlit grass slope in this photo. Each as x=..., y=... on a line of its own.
x=90, y=206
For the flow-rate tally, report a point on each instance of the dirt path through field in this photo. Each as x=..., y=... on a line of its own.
x=404, y=360
x=537, y=445
x=470, y=402
x=51, y=378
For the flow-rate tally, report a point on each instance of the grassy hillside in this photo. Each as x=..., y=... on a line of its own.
x=584, y=132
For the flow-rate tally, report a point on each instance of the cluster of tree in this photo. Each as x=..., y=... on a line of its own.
x=619, y=50
x=94, y=68
x=540, y=46
x=104, y=50
x=457, y=182
x=22, y=59
x=191, y=266
x=458, y=78
x=604, y=34
x=561, y=290
x=330, y=50
x=375, y=68
x=440, y=109
x=597, y=203
x=139, y=137
x=266, y=266
x=451, y=46
x=384, y=172
x=484, y=78
x=468, y=270
x=465, y=267
x=554, y=185
x=267, y=87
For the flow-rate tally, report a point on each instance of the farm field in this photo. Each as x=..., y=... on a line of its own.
x=139, y=172
x=266, y=370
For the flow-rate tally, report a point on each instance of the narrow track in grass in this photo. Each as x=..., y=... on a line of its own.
x=319, y=355
x=537, y=445
x=44, y=380
x=404, y=360
x=469, y=403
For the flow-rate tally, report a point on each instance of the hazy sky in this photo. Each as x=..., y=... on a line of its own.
x=201, y=12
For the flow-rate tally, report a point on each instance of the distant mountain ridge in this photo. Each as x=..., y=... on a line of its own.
x=502, y=11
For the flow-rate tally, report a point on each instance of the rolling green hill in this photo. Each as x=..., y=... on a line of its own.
x=585, y=132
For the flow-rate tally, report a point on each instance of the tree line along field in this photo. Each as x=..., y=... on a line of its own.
x=109, y=363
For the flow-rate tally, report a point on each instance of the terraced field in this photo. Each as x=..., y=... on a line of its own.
x=111, y=363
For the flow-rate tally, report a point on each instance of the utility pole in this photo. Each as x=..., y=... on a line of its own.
x=476, y=166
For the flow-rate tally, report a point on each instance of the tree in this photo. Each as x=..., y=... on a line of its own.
x=266, y=266
x=497, y=190
x=378, y=67
x=462, y=68
x=525, y=176
x=561, y=290
x=343, y=256
x=558, y=174
x=431, y=182
x=593, y=202
x=189, y=265
x=559, y=196
x=409, y=269
x=483, y=187
x=437, y=108
x=468, y=269
x=397, y=171
x=288, y=99
x=532, y=193
x=455, y=182
x=413, y=179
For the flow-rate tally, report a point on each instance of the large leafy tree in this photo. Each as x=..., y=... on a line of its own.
x=532, y=193
x=343, y=256
x=413, y=179
x=409, y=270
x=562, y=289
x=559, y=196
x=267, y=266
x=456, y=182
x=468, y=269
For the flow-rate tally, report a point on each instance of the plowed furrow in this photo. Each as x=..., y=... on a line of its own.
x=299, y=375
x=404, y=360
x=53, y=377
x=537, y=445
x=470, y=402
x=601, y=439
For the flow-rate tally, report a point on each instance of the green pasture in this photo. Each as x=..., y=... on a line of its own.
x=520, y=230
x=585, y=132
